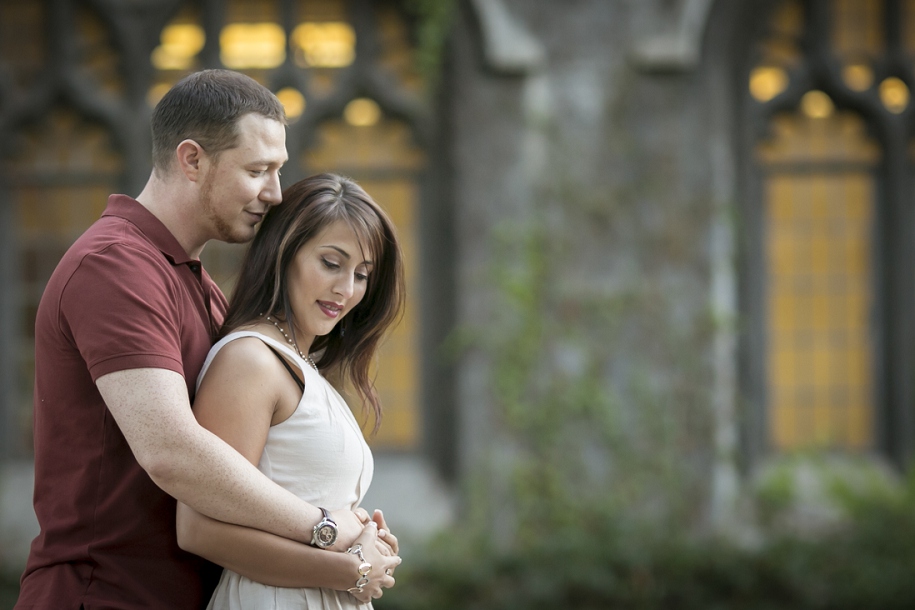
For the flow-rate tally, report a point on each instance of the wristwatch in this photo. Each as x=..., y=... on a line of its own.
x=325, y=532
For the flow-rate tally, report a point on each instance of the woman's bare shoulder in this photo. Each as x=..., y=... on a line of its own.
x=246, y=357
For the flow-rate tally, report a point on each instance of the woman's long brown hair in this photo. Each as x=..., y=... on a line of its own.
x=309, y=206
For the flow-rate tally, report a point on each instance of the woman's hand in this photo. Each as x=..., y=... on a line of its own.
x=387, y=542
x=380, y=576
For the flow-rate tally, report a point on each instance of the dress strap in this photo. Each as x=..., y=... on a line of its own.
x=298, y=381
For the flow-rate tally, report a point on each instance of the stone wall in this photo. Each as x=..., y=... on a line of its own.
x=604, y=136
x=602, y=128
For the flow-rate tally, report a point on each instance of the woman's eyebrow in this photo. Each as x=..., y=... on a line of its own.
x=338, y=249
x=345, y=253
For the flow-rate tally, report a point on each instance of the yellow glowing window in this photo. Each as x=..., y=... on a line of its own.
x=324, y=45
x=858, y=77
x=362, y=112
x=817, y=105
x=180, y=43
x=766, y=82
x=385, y=160
x=894, y=94
x=157, y=92
x=293, y=102
x=50, y=215
x=245, y=46
x=857, y=28
x=819, y=212
x=818, y=258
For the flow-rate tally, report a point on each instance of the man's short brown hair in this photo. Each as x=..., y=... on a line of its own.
x=205, y=107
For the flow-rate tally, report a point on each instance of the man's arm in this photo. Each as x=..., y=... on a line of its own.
x=195, y=466
x=279, y=562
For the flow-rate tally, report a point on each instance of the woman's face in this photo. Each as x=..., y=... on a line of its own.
x=327, y=278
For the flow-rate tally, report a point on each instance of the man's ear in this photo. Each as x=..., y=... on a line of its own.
x=190, y=156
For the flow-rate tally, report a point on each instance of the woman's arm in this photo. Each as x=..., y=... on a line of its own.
x=280, y=562
x=243, y=393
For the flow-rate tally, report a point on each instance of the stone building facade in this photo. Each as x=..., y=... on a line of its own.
x=699, y=210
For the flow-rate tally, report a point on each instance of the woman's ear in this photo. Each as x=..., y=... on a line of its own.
x=189, y=155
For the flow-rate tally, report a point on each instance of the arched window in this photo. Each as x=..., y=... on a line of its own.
x=61, y=160
x=828, y=282
x=76, y=91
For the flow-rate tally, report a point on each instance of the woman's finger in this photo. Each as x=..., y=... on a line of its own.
x=389, y=572
x=384, y=548
x=390, y=539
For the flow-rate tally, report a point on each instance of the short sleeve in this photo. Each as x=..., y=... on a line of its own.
x=120, y=309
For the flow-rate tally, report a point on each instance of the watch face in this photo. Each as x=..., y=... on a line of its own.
x=326, y=535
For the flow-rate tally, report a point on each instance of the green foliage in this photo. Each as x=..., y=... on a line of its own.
x=867, y=564
x=569, y=438
x=775, y=494
x=810, y=491
x=433, y=20
x=627, y=536
x=598, y=379
x=9, y=589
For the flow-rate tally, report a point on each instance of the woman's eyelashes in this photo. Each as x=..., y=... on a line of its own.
x=361, y=276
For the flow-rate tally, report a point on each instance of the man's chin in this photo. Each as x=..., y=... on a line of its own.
x=238, y=237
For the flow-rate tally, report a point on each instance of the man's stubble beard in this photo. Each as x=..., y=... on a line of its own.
x=224, y=232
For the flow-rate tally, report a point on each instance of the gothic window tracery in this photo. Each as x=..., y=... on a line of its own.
x=78, y=80
x=829, y=119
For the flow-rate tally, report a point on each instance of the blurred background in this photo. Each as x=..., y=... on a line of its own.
x=659, y=348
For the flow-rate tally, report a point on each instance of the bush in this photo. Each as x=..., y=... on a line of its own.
x=599, y=400
x=870, y=563
x=9, y=589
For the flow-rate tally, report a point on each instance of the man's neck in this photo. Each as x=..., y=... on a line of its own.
x=173, y=206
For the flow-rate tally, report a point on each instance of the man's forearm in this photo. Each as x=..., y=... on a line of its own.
x=194, y=465
x=263, y=557
x=211, y=477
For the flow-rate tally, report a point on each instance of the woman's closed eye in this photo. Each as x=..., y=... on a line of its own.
x=361, y=276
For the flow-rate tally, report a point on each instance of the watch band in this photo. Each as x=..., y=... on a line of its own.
x=324, y=533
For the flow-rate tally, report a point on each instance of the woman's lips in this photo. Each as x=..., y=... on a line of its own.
x=331, y=309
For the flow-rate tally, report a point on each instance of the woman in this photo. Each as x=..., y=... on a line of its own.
x=320, y=285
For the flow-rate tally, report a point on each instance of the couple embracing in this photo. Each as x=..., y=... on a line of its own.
x=250, y=499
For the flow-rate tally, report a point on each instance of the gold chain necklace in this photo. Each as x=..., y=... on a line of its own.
x=305, y=357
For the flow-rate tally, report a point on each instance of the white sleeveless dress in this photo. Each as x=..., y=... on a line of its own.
x=320, y=455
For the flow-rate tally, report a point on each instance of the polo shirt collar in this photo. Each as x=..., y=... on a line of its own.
x=133, y=211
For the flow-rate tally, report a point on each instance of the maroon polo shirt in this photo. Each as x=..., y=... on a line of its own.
x=124, y=296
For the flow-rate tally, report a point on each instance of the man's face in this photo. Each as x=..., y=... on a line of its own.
x=242, y=183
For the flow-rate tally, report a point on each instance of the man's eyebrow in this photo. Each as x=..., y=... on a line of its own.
x=345, y=253
x=269, y=162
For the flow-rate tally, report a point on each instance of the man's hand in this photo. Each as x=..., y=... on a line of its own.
x=350, y=525
x=385, y=541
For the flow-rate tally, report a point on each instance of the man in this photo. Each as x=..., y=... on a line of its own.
x=121, y=333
